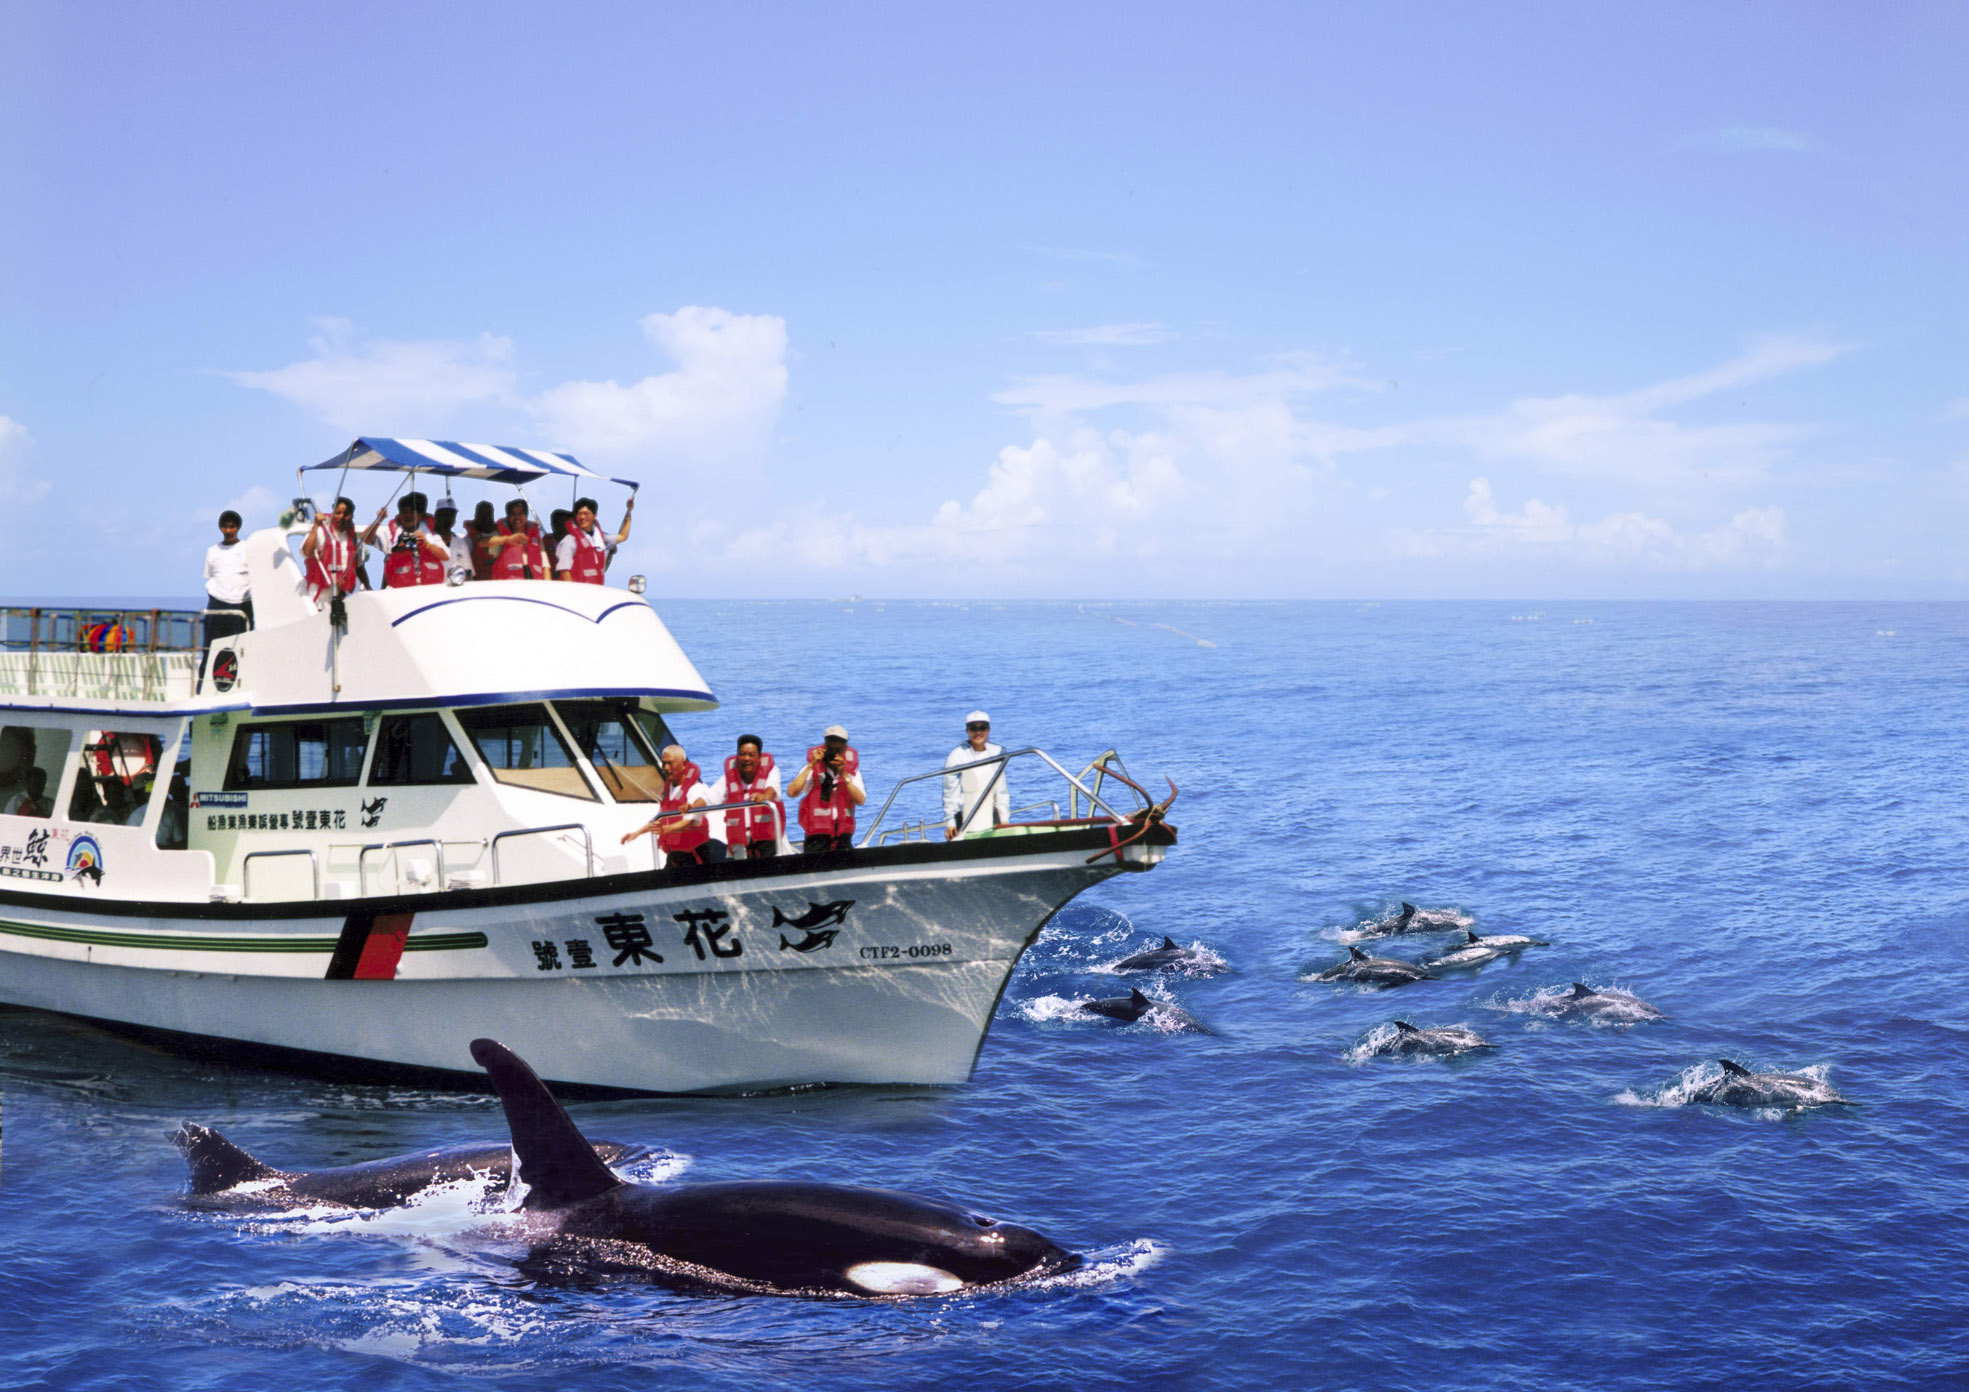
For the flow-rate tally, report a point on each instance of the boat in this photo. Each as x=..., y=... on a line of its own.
x=370, y=829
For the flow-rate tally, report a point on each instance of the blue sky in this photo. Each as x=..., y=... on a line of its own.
x=1216, y=301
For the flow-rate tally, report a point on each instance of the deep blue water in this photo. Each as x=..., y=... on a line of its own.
x=1753, y=816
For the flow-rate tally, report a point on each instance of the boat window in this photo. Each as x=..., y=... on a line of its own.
x=617, y=743
x=173, y=825
x=416, y=749
x=521, y=747
x=113, y=786
x=297, y=754
x=31, y=768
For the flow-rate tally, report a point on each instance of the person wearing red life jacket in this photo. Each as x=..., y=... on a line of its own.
x=585, y=551
x=831, y=782
x=516, y=550
x=330, y=552
x=684, y=839
x=412, y=556
x=750, y=776
x=478, y=536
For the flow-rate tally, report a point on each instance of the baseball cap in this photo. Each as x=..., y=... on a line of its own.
x=839, y=732
x=977, y=718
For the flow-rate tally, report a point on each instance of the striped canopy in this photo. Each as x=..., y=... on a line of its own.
x=499, y=463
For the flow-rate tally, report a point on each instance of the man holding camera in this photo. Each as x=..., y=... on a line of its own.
x=832, y=783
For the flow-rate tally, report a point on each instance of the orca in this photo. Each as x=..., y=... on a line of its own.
x=1443, y=1041
x=1375, y=971
x=225, y=1176
x=757, y=1236
x=1168, y=957
x=1135, y=1005
x=1475, y=951
x=1743, y=1087
x=834, y=911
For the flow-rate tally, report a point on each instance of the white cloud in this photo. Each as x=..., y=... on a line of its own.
x=1109, y=336
x=16, y=486
x=1758, y=138
x=1293, y=375
x=385, y=386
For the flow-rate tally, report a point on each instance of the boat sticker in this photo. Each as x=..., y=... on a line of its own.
x=816, y=916
x=201, y=800
x=817, y=940
x=706, y=928
x=372, y=812
x=225, y=670
x=85, y=860
x=30, y=862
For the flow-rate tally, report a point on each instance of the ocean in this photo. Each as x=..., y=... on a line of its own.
x=1751, y=816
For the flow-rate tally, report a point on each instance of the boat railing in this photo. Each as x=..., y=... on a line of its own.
x=1085, y=784
x=246, y=869
x=395, y=848
x=587, y=844
x=145, y=655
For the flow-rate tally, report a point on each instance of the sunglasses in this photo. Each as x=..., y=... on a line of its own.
x=977, y=727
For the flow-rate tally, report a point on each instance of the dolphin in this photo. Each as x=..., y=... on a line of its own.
x=225, y=1176
x=767, y=1236
x=834, y=911
x=1609, y=1007
x=1740, y=1087
x=1168, y=957
x=1375, y=971
x=1444, y=1041
x=1475, y=951
x=1135, y=1005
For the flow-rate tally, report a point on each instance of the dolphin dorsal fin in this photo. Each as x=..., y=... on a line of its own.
x=1404, y=1027
x=1135, y=997
x=557, y=1164
x=216, y=1163
x=1357, y=954
x=1408, y=909
x=1580, y=988
x=1469, y=935
x=1167, y=941
x=1734, y=1069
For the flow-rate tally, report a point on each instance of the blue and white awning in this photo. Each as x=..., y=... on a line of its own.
x=499, y=463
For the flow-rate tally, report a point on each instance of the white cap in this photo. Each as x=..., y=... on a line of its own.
x=839, y=732
x=977, y=718
x=444, y=503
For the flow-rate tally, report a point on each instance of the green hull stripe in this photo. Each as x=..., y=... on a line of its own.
x=201, y=942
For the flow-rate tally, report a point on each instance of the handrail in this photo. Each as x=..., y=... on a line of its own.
x=587, y=844
x=997, y=762
x=246, y=869
x=362, y=860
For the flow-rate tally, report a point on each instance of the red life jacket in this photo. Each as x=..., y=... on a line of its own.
x=590, y=557
x=481, y=558
x=675, y=795
x=522, y=562
x=333, y=565
x=833, y=816
x=760, y=822
x=410, y=562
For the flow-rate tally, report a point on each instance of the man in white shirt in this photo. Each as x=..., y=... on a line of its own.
x=962, y=791
x=226, y=580
x=584, y=553
x=447, y=530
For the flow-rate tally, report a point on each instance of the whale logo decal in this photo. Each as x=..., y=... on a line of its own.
x=813, y=942
x=816, y=915
x=85, y=860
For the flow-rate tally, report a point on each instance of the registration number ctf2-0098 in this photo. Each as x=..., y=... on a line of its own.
x=914, y=952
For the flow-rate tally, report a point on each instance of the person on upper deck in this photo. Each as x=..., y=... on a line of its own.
x=750, y=776
x=831, y=781
x=479, y=533
x=962, y=791
x=516, y=550
x=226, y=585
x=457, y=545
x=411, y=554
x=331, y=552
x=686, y=840
x=584, y=553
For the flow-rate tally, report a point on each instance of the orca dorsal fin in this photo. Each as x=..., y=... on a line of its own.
x=216, y=1163
x=1167, y=941
x=1734, y=1069
x=1357, y=954
x=1135, y=997
x=1404, y=1027
x=1580, y=989
x=557, y=1164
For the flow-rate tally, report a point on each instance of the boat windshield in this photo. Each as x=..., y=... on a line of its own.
x=522, y=747
x=621, y=741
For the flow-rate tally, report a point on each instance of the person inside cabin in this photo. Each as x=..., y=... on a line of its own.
x=411, y=554
x=962, y=791
x=121, y=805
x=686, y=840
x=585, y=551
x=750, y=776
x=226, y=586
x=458, y=546
x=16, y=763
x=479, y=532
x=557, y=523
x=516, y=550
x=331, y=552
x=32, y=800
x=831, y=782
